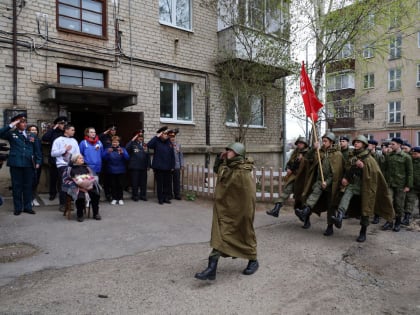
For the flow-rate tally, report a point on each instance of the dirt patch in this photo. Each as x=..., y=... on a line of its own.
x=15, y=251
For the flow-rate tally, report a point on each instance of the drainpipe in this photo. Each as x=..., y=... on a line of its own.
x=14, y=31
x=207, y=113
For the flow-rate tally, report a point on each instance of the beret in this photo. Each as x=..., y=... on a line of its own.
x=18, y=116
x=373, y=142
x=415, y=149
x=344, y=138
x=407, y=144
x=397, y=140
x=60, y=119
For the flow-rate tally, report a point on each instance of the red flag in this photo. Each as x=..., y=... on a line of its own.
x=312, y=103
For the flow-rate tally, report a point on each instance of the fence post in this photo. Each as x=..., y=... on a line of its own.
x=262, y=183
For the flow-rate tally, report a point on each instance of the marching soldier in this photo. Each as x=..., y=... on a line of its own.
x=325, y=187
x=295, y=178
x=364, y=179
x=399, y=176
x=414, y=192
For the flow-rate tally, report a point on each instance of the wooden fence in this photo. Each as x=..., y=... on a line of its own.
x=202, y=181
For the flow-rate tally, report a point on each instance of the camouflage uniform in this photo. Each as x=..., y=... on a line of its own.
x=414, y=193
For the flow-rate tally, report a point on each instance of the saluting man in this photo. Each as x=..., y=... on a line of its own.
x=24, y=156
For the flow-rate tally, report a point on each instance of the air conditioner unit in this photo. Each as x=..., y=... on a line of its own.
x=418, y=84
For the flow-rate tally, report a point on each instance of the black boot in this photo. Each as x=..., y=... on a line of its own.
x=387, y=226
x=406, y=219
x=338, y=219
x=275, y=211
x=303, y=213
x=362, y=234
x=251, y=268
x=375, y=219
x=307, y=223
x=210, y=272
x=329, y=231
x=397, y=225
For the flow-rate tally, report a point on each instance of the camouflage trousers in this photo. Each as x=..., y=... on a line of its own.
x=410, y=200
x=398, y=200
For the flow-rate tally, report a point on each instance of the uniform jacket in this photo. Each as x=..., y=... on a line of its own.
x=24, y=152
x=163, y=157
x=115, y=162
x=333, y=165
x=92, y=153
x=232, y=230
x=416, y=174
x=139, y=157
x=374, y=195
x=49, y=137
x=399, y=170
x=179, y=156
x=298, y=175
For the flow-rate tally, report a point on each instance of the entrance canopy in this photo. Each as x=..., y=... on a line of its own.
x=84, y=97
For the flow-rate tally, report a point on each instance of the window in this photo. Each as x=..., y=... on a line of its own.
x=418, y=76
x=418, y=138
x=369, y=136
x=369, y=81
x=175, y=13
x=246, y=111
x=340, y=81
x=81, y=77
x=418, y=107
x=345, y=52
x=176, y=101
x=395, y=47
x=394, y=80
x=394, y=135
x=368, y=51
x=82, y=16
x=394, y=112
x=368, y=112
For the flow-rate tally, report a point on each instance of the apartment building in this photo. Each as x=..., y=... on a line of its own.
x=373, y=88
x=136, y=64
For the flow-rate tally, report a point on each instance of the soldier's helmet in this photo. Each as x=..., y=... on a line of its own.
x=329, y=135
x=237, y=147
x=302, y=140
x=362, y=139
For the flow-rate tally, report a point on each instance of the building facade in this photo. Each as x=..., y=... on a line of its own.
x=136, y=64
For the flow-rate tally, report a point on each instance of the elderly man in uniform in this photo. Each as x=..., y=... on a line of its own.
x=295, y=178
x=414, y=193
x=364, y=179
x=399, y=176
x=53, y=133
x=323, y=188
x=24, y=156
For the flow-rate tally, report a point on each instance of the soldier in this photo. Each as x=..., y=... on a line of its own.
x=414, y=192
x=399, y=176
x=324, y=192
x=364, y=179
x=232, y=232
x=346, y=151
x=295, y=178
x=406, y=147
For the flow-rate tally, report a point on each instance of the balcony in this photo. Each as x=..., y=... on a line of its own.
x=341, y=114
x=250, y=48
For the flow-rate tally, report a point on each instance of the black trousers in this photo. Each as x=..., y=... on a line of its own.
x=81, y=203
x=117, y=186
x=54, y=180
x=163, y=184
x=138, y=182
x=176, y=183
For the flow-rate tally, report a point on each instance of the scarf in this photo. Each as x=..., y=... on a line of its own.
x=92, y=142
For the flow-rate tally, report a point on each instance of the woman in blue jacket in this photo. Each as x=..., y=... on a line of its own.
x=115, y=158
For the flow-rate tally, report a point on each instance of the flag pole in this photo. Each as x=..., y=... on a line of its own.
x=317, y=149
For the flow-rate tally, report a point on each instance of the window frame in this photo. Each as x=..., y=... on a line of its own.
x=173, y=15
x=394, y=135
x=84, y=70
x=368, y=112
x=395, y=112
x=368, y=51
x=395, y=45
x=418, y=106
x=369, y=81
x=342, y=81
x=234, y=120
x=394, y=78
x=103, y=15
x=174, y=101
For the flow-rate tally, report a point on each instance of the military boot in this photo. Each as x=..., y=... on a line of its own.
x=397, y=225
x=210, y=272
x=375, y=219
x=307, y=222
x=362, y=234
x=338, y=219
x=275, y=211
x=303, y=213
x=388, y=226
x=329, y=231
x=251, y=268
x=406, y=219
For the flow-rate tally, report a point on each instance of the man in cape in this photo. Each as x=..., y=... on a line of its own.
x=366, y=190
x=232, y=233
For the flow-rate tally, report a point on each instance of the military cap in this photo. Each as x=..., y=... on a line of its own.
x=374, y=142
x=173, y=132
x=415, y=149
x=407, y=144
x=60, y=120
x=162, y=129
x=397, y=140
x=344, y=138
x=18, y=116
x=329, y=135
x=385, y=144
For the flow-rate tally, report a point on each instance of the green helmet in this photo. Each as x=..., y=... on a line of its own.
x=329, y=135
x=237, y=147
x=302, y=140
x=362, y=139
